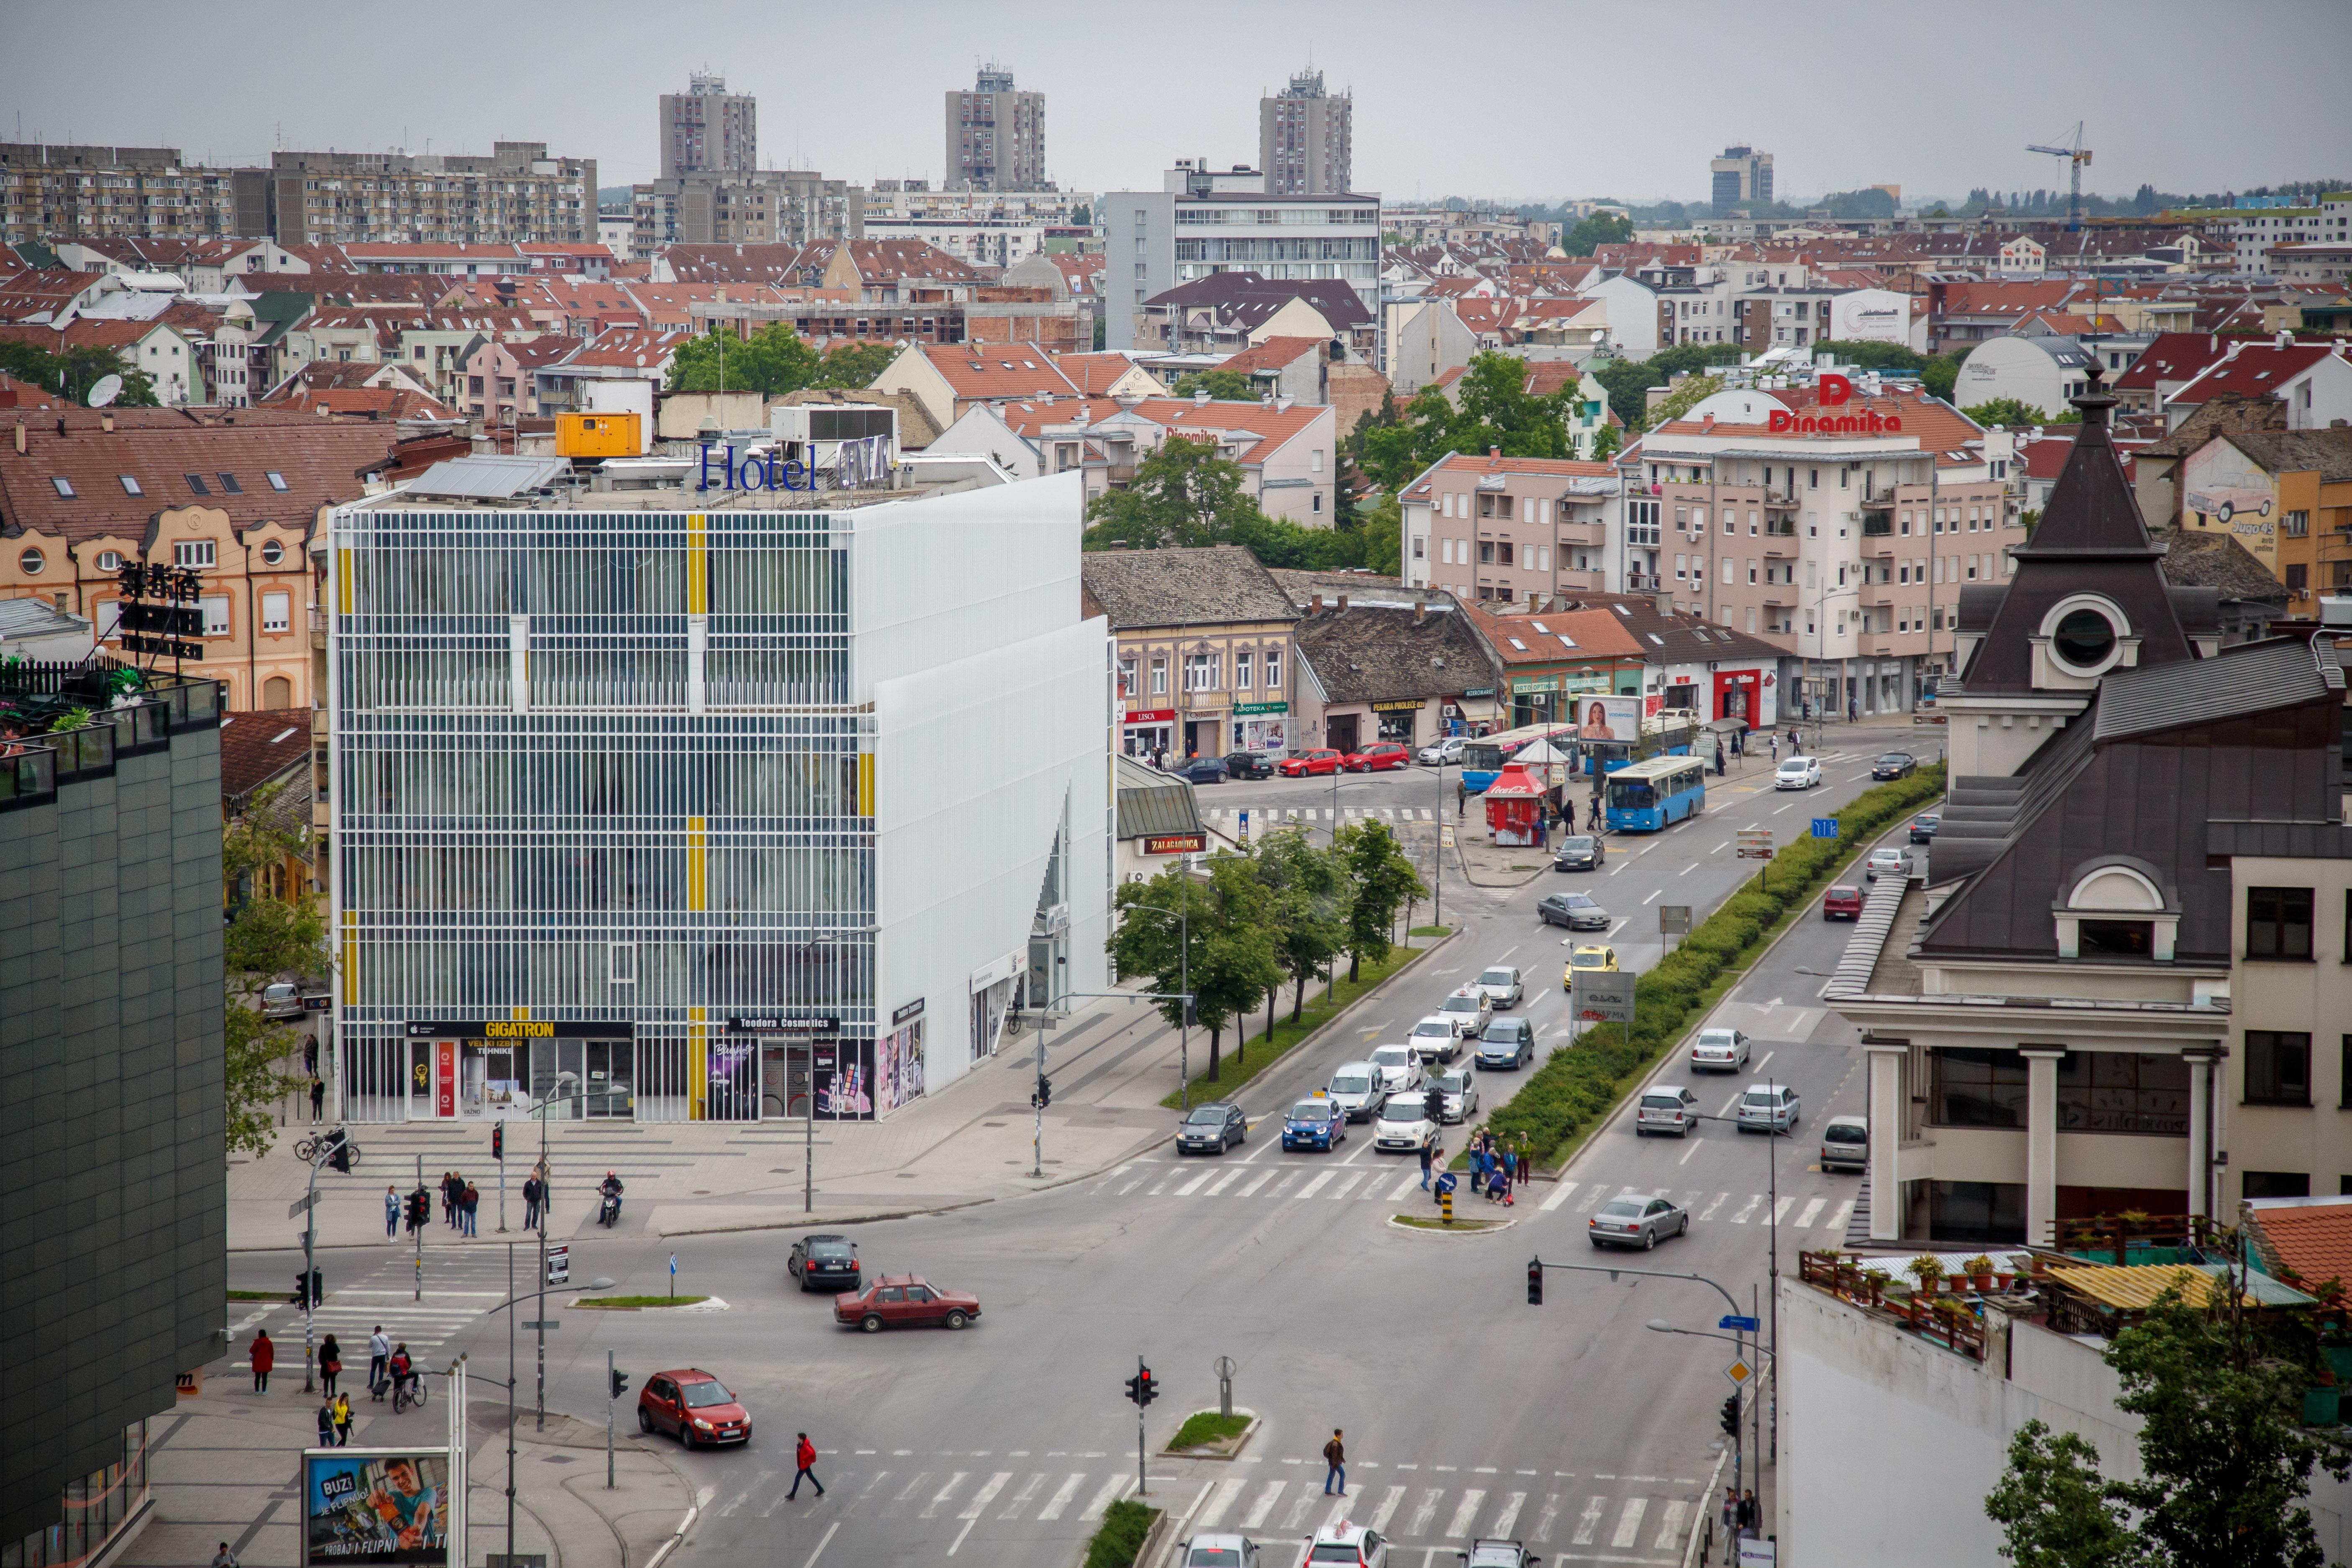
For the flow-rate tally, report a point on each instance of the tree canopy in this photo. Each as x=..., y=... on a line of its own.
x=774, y=361
x=1491, y=408
x=1223, y=385
x=1938, y=373
x=1591, y=233
x=2014, y=413
x=1185, y=495
x=1211, y=933
x=73, y=372
x=267, y=938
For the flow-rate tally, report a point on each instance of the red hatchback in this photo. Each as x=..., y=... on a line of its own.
x=1375, y=759
x=1842, y=904
x=902, y=1301
x=1309, y=763
x=694, y=1407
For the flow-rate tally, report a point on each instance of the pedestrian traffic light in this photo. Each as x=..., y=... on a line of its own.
x=498, y=1140
x=1731, y=1416
x=1534, y=1282
x=420, y=1209
x=308, y=1289
x=1135, y=1390
x=620, y=1383
x=1148, y=1390
x=1044, y=1095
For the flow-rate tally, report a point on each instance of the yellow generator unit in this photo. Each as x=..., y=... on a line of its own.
x=597, y=435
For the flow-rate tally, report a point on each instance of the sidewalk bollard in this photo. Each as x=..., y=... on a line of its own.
x=1446, y=1203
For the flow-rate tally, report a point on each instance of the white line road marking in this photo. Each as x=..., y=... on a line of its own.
x=1311, y=1188
x=1297, y=1514
x=912, y=1487
x=823, y=1541
x=1778, y=809
x=1781, y=1211
x=1262, y=1506
x=1355, y=1154
x=1227, y=1180
x=985, y=1495
x=1688, y=1153
x=1844, y=1212
x=1762, y=1059
x=1132, y=1185
x=1549, y=1515
x=1349, y=1180
x=1405, y=1184
x=1465, y=1512
x=1654, y=895
x=1670, y=1524
x=1588, y=1521
x=1195, y=1185
x=1261, y=1179
x=1422, y=1513
x=1060, y=1500
x=1715, y=1206
x=1730, y=1104
x=1720, y=847
x=1501, y=1529
x=1812, y=1208
x=1105, y=1184
x=1158, y=1187
x=1688, y=869
x=1629, y=1523
x=1585, y=1205
x=1540, y=995
x=1227, y=1491
x=939, y=1498
x=1389, y=1501
x=1747, y=1209
x=1021, y=1499
x=1559, y=1197
x=960, y=1534
x=1111, y=1491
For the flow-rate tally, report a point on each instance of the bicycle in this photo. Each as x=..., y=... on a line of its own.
x=309, y=1148
x=408, y=1391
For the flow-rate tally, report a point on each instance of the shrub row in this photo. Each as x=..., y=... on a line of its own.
x=1124, y=1526
x=1576, y=1086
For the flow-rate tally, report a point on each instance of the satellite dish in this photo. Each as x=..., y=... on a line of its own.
x=107, y=389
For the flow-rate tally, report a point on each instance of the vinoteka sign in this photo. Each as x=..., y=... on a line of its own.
x=1834, y=392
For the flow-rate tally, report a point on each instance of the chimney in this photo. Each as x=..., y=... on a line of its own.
x=106, y=421
x=1314, y=609
x=1665, y=603
x=2285, y=339
x=1493, y=454
x=1420, y=611
x=1343, y=604
x=20, y=437
x=1201, y=399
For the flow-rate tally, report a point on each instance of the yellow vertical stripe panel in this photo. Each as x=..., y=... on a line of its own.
x=865, y=783
x=698, y=570
x=344, y=580
x=350, y=958
x=698, y=882
x=521, y=1014
x=698, y=1071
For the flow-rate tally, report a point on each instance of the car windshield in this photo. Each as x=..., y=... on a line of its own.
x=1392, y=1056
x=1469, y=1004
x=1207, y=1115
x=1715, y=1036
x=1837, y=1132
x=1214, y=1557
x=1662, y=1103
x=823, y=1249
x=1312, y=1111
x=1624, y=1208
x=1929, y=820
x=1495, y=977
x=1333, y=1552
x=1432, y=1026
x=1581, y=901
x=1578, y=845
x=1762, y=1097
x=703, y=1395
x=1793, y=766
x=1453, y=1082
x=1895, y=757
x=1505, y=1029
x=1352, y=1083
x=1587, y=961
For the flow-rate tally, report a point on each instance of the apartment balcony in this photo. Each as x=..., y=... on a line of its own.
x=1780, y=547
x=1780, y=595
x=1585, y=534
x=1780, y=500
x=1637, y=583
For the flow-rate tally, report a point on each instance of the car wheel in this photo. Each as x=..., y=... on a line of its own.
x=1649, y=1240
x=957, y=1320
x=871, y=1322
x=1684, y=1229
x=1242, y=1136
x=685, y=1436
x=644, y=1422
x=1599, y=1245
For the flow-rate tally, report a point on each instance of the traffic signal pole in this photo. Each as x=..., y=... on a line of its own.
x=1142, y=1480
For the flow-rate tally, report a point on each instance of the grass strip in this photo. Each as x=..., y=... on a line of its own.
x=1206, y=1426
x=1422, y=1222
x=1125, y=1524
x=632, y=1303
x=261, y=1295
x=1579, y=1086
x=1265, y=1051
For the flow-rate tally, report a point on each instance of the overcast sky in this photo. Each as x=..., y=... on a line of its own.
x=1534, y=100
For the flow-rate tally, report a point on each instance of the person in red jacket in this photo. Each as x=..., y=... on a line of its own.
x=805, y=1456
x=263, y=1356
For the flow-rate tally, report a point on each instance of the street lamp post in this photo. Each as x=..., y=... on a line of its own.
x=1773, y=1257
x=1738, y=1341
x=1821, y=653
x=546, y=1193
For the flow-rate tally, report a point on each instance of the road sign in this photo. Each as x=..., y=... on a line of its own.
x=1446, y=837
x=1825, y=827
x=1731, y=1321
x=294, y=1210
x=1243, y=835
x=1604, y=997
x=559, y=1263
x=1740, y=1371
x=542, y=1322
x=1674, y=920
x=1755, y=844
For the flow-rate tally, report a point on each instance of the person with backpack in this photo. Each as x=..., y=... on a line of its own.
x=330, y=1365
x=804, y=1457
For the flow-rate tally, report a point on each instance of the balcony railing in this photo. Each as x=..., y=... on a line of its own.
x=1637, y=583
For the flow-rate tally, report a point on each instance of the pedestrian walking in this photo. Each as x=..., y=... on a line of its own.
x=1774, y=741
x=469, y=1203
x=327, y=1424
x=391, y=1212
x=452, y=1186
x=318, y=1097
x=805, y=1457
x=1718, y=759
x=1335, y=1457
x=1731, y=1511
x=1427, y=1151
x=262, y=1355
x=1461, y=797
x=379, y=1352
x=343, y=1421
x=531, y=1190
x=224, y=1558
x=1749, y=1518
x=311, y=1054
x=330, y=1364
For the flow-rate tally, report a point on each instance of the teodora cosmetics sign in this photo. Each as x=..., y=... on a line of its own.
x=376, y=1506
x=1835, y=392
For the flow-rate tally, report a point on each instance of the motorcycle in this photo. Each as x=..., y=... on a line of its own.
x=610, y=1213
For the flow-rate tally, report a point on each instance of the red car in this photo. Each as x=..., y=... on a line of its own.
x=902, y=1301
x=1374, y=759
x=1842, y=904
x=1309, y=763
x=693, y=1406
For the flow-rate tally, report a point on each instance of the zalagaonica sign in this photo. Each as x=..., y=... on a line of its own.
x=1835, y=390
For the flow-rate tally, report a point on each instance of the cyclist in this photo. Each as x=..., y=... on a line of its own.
x=402, y=1370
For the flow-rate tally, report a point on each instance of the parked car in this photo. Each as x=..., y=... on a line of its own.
x=904, y=1300
x=1248, y=766
x=824, y=1263
x=281, y=999
x=1768, y=1107
x=1842, y=903
x=1501, y=985
x=1310, y=764
x=1219, y=1550
x=1668, y=1108
x=1316, y=1122
x=1894, y=765
x=1577, y=912
x=1216, y=1126
x=1845, y=1143
x=694, y=1407
x=1797, y=773
x=1436, y=1038
x=1580, y=852
x=1200, y=769
x=1634, y=1220
x=1723, y=1050
x=1358, y=1089
x=1923, y=825
x=1508, y=1043
x=1380, y=757
x=1441, y=752
x=1471, y=1008
x=1887, y=862
x=1400, y=1068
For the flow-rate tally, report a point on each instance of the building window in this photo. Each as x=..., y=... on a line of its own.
x=277, y=480
x=2123, y=1091
x=272, y=552
x=2298, y=577
x=229, y=487
x=1977, y=1088
x=1201, y=672
x=196, y=485
x=194, y=552
x=110, y=560
x=2278, y=924
x=1127, y=677
x=1160, y=678
x=63, y=486
x=276, y=609
x=1244, y=663
x=130, y=486
x=2298, y=524
x=215, y=616
x=2278, y=1068
x=1273, y=669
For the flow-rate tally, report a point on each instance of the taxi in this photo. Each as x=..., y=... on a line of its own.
x=1345, y=1544
x=1317, y=1122
x=1591, y=960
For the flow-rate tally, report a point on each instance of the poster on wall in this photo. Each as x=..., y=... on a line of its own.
x=1608, y=718
x=844, y=1081
x=375, y=1505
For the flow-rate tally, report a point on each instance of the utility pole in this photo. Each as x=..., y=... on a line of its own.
x=1037, y=1100
x=1437, y=854
x=511, y=1402
x=808, y=1134
x=419, y=1231
x=610, y=1396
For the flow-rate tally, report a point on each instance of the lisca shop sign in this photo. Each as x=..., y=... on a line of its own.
x=1834, y=392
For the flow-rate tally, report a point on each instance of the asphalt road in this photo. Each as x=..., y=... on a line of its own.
x=1467, y=1412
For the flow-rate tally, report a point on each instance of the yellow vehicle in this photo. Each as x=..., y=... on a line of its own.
x=1591, y=960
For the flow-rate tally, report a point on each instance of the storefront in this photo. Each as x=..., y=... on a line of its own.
x=1204, y=731
x=1400, y=720
x=1535, y=698
x=1747, y=695
x=1262, y=727
x=805, y=1067
x=490, y=1071
x=1148, y=731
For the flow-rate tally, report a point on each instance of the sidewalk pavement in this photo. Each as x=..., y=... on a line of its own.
x=969, y=1143
x=227, y=1466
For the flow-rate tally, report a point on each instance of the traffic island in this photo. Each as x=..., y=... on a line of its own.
x=650, y=1303
x=1437, y=1227
x=1130, y=1530
x=1212, y=1434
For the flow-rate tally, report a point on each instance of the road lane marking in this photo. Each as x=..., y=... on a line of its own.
x=1311, y=1188
x=1227, y=1180
x=985, y=1495
x=1748, y=1208
x=1559, y=1197
x=1844, y=1212
x=1465, y=1512
x=1812, y=1208
x=1730, y=1104
x=1540, y=995
x=1501, y=1529
x=1389, y=1501
x=1670, y=1524
x=1405, y=1184
x=1349, y=1180
x=939, y=1498
x=1585, y=1203
x=1111, y=1492
x=1195, y=1185
x=1720, y=847
x=1629, y=1523
x=1021, y=1499
x=1688, y=1153
x=911, y=1486
x=1261, y=1179
x=1654, y=894
x=1158, y=1187
x=1423, y=1512
x=1264, y=1505
x=1688, y=869
x=1210, y=1505
x=1781, y=1211
x=1549, y=1516
x=1715, y=1206
x=1060, y=1500
x=1762, y=1060
x=1588, y=1521
x=823, y=1541
x=1297, y=1514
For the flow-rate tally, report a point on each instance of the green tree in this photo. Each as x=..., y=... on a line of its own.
x=2005, y=411
x=1082, y=216
x=266, y=939
x=1223, y=385
x=1102, y=332
x=1230, y=961
x=774, y=361
x=1628, y=380
x=1941, y=376
x=1591, y=233
x=854, y=364
x=74, y=371
x=1182, y=494
x=1308, y=894
x=1383, y=879
x=2054, y=1507
x=1870, y=355
x=1605, y=442
x=1694, y=390
x=1382, y=526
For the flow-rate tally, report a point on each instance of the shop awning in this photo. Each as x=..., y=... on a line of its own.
x=1476, y=708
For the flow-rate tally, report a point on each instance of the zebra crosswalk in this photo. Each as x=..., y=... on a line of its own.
x=1268, y=815
x=1705, y=1208
x=460, y=1284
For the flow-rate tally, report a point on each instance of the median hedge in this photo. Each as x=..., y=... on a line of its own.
x=1581, y=1083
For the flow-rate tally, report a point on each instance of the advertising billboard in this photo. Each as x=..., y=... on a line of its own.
x=375, y=1505
x=1600, y=718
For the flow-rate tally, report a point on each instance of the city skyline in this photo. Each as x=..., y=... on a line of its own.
x=1121, y=130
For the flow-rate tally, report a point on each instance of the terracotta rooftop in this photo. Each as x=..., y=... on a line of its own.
x=2313, y=1241
x=989, y=371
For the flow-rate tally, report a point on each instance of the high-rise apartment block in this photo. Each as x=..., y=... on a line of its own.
x=709, y=130
x=50, y=192
x=1743, y=177
x=768, y=207
x=1306, y=139
x=516, y=196
x=996, y=137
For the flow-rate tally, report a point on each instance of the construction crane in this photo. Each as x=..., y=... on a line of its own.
x=2077, y=155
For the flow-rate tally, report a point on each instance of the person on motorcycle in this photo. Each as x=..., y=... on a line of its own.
x=611, y=1188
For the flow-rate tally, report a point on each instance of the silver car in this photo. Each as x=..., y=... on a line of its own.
x=1637, y=1219
x=1358, y=1089
x=1437, y=1037
x=1461, y=1091
x=1403, y=1124
x=1218, y=1552
x=1889, y=861
x=1400, y=1068
x=1668, y=1108
x=1768, y=1108
x=1845, y=1143
x=1718, y=1050
x=1471, y=1007
x=1502, y=986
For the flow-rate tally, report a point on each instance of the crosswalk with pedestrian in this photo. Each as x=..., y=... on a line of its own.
x=460, y=1284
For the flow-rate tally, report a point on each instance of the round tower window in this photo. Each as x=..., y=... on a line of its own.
x=2083, y=638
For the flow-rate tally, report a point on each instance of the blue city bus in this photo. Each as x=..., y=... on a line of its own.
x=1646, y=796
x=1483, y=758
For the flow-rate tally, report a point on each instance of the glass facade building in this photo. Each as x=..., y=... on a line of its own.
x=611, y=827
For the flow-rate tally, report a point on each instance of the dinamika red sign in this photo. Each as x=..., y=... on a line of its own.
x=1835, y=390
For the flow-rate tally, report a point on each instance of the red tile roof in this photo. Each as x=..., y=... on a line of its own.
x=1274, y=428
x=26, y=294
x=1093, y=371
x=989, y=371
x=2258, y=371
x=1273, y=354
x=629, y=348
x=362, y=402
x=1597, y=633
x=81, y=332
x=2315, y=1240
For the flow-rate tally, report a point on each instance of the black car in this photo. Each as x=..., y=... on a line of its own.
x=1574, y=910
x=1923, y=825
x=1894, y=765
x=1212, y=1128
x=824, y=1263
x=1200, y=769
x=1248, y=766
x=1580, y=852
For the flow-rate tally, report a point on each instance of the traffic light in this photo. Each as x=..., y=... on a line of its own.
x=1534, y=1282
x=1044, y=1095
x=1731, y=1416
x=420, y=1209
x=620, y=1383
x=498, y=1140
x=307, y=1288
x=1135, y=1390
x=1149, y=1390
